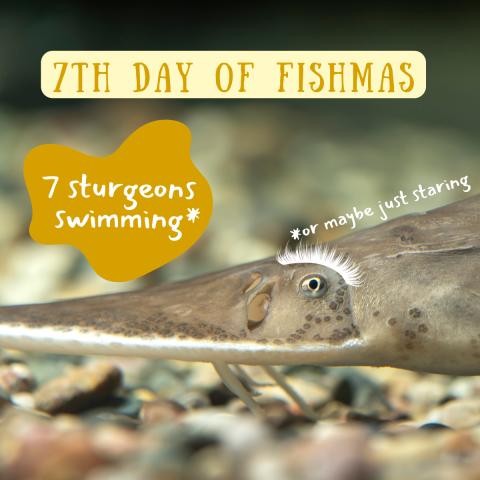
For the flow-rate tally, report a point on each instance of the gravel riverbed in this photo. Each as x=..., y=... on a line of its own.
x=272, y=168
x=89, y=418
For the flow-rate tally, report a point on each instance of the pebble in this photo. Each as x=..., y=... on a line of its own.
x=353, y=416
x=358, y=390
x=23, y=399
x=464, y=387
x=336, y=453
x=16, y=377
x=82, y=388
x=161, y=411
x=144, y=395
x=278, y=413
x=432, y=426
x=115, y=442
x=191, y=399
x=212, y=462
x=462, y=413
x=116, y=405
x=33, y=447
x=105, y=418
x=425, y=394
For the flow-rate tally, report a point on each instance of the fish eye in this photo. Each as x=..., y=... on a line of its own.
x=313, y=286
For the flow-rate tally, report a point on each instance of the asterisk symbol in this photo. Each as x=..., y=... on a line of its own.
x=193, y=214
x=295, y=233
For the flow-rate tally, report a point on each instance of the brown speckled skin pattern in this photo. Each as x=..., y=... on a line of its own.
x=419, y=306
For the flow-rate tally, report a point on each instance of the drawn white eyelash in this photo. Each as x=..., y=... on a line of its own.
x=323, y=255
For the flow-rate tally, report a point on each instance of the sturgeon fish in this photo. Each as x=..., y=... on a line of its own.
x=418, y=308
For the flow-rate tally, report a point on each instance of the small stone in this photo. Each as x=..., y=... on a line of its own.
x=464, y=413
x=115, y=442
x=144, y=395
x=354, y=416
x=191, y=399
x=343, y=392
x=23, y=399
x=98, y=419
x=277, y=412
x=44, y=450
x=161, y=411
x=464, y=387
x=434, y=426
x=16, y=377
x=336, y=453
x=67, y=421
x=84, y=387
x=212, y=463
x=425, y=393
x=113, y=407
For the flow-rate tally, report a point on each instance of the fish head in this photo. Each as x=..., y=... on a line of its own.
x=297, y=303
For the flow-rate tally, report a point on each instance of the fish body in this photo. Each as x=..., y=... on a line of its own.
x=417, y=309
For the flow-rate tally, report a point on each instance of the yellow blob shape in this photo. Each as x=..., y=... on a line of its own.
x=122, y=211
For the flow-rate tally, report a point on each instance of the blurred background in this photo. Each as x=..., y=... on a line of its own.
x=272, y=166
